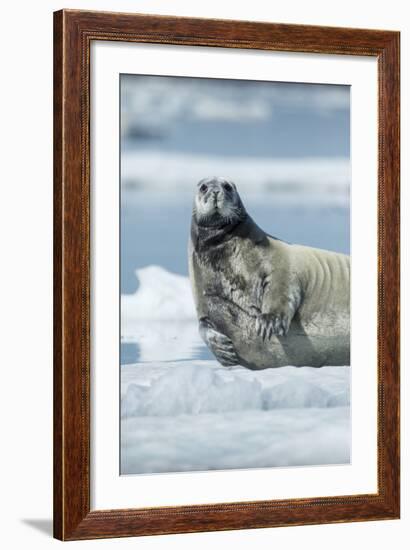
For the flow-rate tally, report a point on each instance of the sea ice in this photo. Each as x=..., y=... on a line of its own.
x=198, y=416
x=181, y=413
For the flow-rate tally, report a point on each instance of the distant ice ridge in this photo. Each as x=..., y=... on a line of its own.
x=152, y=101
x=327, y=178
x=201, y=387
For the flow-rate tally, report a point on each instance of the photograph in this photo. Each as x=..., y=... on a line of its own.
x=235, y=274
x=226, y=286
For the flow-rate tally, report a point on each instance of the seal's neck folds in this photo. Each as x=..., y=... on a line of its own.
x=205, y=236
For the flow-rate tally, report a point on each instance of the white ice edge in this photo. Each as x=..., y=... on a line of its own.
x=327, y=178
x=161, y=296
x=203, y=386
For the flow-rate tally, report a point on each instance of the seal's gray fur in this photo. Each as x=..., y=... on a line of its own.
x=262, y=302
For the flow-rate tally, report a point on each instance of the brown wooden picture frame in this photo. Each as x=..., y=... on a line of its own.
x=73, y=33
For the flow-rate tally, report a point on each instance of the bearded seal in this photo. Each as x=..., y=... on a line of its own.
x=261, y=302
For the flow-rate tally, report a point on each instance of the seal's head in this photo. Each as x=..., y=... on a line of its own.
x=217, y=203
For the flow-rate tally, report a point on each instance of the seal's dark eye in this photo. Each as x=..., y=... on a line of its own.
x=203, y=188
x=227, y=187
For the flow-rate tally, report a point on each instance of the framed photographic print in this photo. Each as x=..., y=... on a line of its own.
x=226, y=275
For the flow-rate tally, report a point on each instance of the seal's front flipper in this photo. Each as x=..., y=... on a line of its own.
x=220, y=345
x=279, y=302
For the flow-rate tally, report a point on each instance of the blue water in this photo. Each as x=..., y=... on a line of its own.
x=289, y=134
x=155, y=229
x=297, y=121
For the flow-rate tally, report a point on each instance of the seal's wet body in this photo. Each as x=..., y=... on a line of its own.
x=262, y=302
